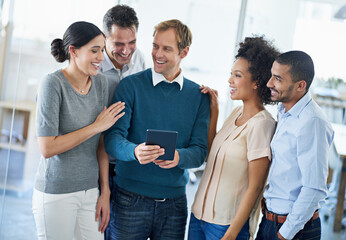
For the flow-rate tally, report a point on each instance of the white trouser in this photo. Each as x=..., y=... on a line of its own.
x=66, y=216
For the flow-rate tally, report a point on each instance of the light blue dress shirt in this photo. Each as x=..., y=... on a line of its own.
x=115, y=75
x=297, y=180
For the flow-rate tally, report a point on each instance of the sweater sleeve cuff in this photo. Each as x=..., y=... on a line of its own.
x=132, y=151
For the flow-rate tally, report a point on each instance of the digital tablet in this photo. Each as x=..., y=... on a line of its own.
x=165, y=139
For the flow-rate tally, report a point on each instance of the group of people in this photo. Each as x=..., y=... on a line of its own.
x=97, y=179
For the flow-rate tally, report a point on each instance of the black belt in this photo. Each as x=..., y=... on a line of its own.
x=141, y=196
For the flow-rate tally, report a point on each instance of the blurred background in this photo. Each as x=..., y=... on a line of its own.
x=27, y=28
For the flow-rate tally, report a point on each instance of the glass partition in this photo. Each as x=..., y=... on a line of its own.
x=27, y=29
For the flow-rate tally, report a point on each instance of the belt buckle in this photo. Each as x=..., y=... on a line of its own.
x=160, y=200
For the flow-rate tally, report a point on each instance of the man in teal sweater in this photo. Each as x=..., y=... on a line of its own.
x=150, y=199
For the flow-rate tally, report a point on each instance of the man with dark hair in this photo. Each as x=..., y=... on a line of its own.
x=150, y=197
x=121, y=58
x=298, y=174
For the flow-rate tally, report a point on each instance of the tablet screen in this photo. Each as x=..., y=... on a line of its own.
x=165, y=139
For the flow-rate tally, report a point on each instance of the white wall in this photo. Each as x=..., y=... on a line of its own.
x=276, y=19
x=213, y=25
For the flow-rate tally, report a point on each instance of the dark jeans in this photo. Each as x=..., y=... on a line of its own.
x=268, y=230
x=135, y=217
x=201, y=230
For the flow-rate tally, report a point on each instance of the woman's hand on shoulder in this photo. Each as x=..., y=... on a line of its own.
x=109, y=116
x=213, y=96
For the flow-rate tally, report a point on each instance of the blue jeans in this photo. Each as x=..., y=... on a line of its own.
x=138, y=217
x=268, y=230
x=201, y=230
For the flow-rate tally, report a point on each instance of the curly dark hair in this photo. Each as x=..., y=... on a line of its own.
x=121, y=15
x=260, y=53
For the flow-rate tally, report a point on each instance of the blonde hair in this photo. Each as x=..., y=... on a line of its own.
x=182, y=32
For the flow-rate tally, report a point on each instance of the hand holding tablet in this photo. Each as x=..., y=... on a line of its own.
x=165, y=139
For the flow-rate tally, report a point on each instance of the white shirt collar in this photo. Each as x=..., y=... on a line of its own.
x=157, y=78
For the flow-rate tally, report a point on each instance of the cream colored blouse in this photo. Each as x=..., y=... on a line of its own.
x=225, y=178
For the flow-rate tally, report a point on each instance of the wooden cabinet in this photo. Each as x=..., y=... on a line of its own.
x=339, y=143
x=23, y=179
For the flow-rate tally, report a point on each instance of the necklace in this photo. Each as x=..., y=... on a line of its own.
x=75, y=86
x=83, y=90
x=86, y=86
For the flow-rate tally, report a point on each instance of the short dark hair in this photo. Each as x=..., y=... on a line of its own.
x=301, y=66
x=182, y=32
x=121, y=15
x=260, y=54
x=77, y=34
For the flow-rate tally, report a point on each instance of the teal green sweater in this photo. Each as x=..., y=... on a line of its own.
x=163, y=107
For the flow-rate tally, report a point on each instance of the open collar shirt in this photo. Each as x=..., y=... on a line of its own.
x=115, y=75
x=225, y=178
x=299, y=169
x=157, y=78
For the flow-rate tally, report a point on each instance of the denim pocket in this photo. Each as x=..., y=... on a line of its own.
x=123, y=199
x=180, y=203
x=311, y=231
x=278, y=226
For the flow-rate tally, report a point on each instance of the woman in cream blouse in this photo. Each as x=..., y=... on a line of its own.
x=226, y=204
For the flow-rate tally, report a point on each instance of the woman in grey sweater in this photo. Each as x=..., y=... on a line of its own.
x=71, y=116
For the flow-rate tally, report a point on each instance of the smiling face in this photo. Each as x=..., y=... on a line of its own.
x=240, y=82
x=166, y=55
x=120, y=45
x=88, y=57
x=282, y=88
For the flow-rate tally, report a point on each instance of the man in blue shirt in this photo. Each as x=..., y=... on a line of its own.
x=298, y=174
x=150, y=199
x=121, y=58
